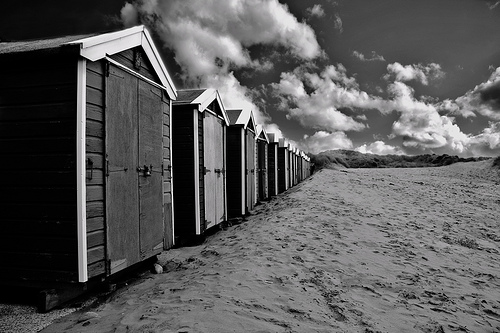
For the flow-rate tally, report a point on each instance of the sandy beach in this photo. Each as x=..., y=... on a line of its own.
x=350, y=250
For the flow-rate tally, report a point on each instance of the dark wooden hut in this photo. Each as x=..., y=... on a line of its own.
x=85, y=141
x=199, y=122
x=262, y=179
x=272, y=160
x=283, y=167
x=290, y=165
x=241, y=191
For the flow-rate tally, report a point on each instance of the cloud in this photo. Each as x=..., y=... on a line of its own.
x=374, y=56
x=484, y=99
x=210, y=39
x=129, y=15
x=338, y=23
x=274, y=128
x=316, y=100
x=420, y=73
x=379, y=148
x=486, y=143
x=316, y=10
x=491, y=5
x=323, y=140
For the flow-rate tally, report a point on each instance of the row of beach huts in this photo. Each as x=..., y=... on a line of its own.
x=106, y=164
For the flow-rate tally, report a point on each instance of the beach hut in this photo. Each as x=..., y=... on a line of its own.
x=262, y=142
x=291, y=165
x=85, y=141
x=199, y=122
x=283, y=166
x=241, y=165
x=272, y=159
x=297, y=166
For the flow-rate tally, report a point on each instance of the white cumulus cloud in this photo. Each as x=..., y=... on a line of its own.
x=379, y=148
x=316, y=10
x=484, y=99
x=323, y=140
x=373, y=57
x=210, y=38
x=420, y=73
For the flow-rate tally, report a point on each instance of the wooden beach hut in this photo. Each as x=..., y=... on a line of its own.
x=262, y=179
x=283, y=166
x=291, y=165
x=296, y=170
x=272, y=159
x=85, y=141
x=199, y=122
x=241, y=165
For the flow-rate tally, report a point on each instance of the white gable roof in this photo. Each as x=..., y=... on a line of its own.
x=245, y=117
x=261, y=131
x=98, y=47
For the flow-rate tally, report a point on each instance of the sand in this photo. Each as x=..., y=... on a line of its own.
x=354, y=250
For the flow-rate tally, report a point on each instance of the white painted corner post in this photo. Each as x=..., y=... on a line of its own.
x=81, y=170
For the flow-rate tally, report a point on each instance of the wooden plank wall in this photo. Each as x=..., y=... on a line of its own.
x=201, y=175
x=282, y=170
x=95, y=182
x=37, y=160
x=272, y=149
x=233, y=166
x=167, y=175
x=183, y=171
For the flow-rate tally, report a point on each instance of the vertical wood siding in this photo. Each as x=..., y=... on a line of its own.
x=96, y=234
x=183, y=171
x=38, y=160
x=282, y=169
x=272, y=161
x=201, y=175
x=233, y=174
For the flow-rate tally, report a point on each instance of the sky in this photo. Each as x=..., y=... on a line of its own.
x=376, y=76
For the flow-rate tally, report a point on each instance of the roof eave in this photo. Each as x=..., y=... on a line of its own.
x=98, y=47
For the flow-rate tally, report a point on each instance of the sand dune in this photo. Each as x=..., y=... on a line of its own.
x=355, y=250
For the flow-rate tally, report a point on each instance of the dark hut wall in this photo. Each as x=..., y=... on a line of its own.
x=183, y=170
x=282, y=169
x=37, y=157
x=234, y=168
x=167, y=175
x=272, y=149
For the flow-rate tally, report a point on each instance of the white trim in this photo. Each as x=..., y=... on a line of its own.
x=196, y=172
x=134, y=73
x=243, y=175
x=205, y=99
x=100, y=39
x=150, y=49
x=99, y=51
x=97, y=47
x=81, y=171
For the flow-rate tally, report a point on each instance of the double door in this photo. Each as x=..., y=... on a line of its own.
x=134, y=163
x=214, y=180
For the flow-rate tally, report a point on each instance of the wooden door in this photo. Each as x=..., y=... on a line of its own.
x=150, y=161
x=214, y=165
x=134, y=157
x=122, y=195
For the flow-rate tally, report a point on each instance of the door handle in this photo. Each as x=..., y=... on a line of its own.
x=146, y=170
